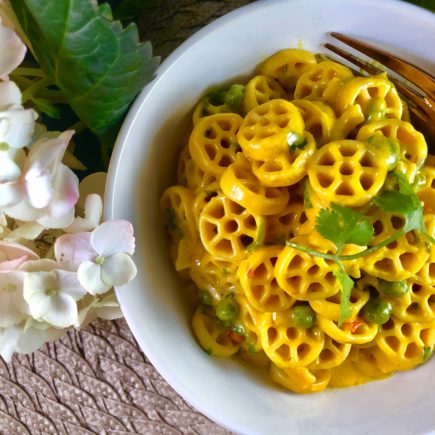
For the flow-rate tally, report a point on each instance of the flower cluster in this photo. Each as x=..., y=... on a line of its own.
x=58, y=262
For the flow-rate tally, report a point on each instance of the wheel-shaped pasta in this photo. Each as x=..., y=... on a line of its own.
x=240, y=184
x=265, y=129
x=292, y=221
x=287, y=65
x=286, y=344
x=305, y=277
x=413, y=147
x=300, y=379
x=212, y=337
x=213, y=142
x=353, y=331
x=213, y=275
x=348, y=122
x=312, y=83
x=176, y=205
x=329, y=308
x=347, y=172
x=319, y=119
x=377, y=97
x=398, y=260
x=418, y=305
x=426, y=275
x=257, y=278
x=261, y=89
x=403, y=343
x=189, y=174
x=427, y=191
x=332, y=354
x=287, y=168
x=227, y=229
x=210, y=105
x=355, y=370
x=249, y=320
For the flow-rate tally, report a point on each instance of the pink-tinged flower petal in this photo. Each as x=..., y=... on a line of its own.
x=57, y=222
x=12, y=51
x=43, y=265
x=38, y=186
x=23, y=211
x=17, y=126
x=65, y=191
x=10, y=95
x=89, y=275
x=70, y=285
x=48, y=151
x=63, y=311
x=12, y=251
x=7, y=266
x=70, y=250
x=113, y=237
x=118, y=270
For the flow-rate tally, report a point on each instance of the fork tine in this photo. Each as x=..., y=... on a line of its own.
x=411, y=72
x=416, y=97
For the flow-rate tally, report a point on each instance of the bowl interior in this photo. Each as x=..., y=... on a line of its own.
x=144, y=163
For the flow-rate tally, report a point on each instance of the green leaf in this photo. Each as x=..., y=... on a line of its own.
x=46, y=107
x=405, y=205
x=346, y=286
x=99, y=66
x=342, y=225
x=258, y=242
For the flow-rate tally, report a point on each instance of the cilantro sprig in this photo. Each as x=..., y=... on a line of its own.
x=343, y=225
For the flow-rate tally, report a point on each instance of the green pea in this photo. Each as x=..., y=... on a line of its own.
x=377, y=311
x=234, y=97
x=216, y=98
x=419, y=181
x=389, y=148
x=376, y=110
x=393, y=288
x=227, y=310
x=303, y=316
x=205, y=298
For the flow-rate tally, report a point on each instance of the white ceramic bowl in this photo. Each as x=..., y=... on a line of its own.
x=143, y=164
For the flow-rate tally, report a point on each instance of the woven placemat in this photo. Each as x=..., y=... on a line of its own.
x=97, y=380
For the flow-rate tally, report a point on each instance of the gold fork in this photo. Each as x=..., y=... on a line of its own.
x=420, y=97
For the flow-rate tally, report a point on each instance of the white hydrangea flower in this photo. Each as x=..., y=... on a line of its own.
x=101, y=258
x=26, y=339
x=52, y=293
x=49, y=188
x=17, y=124
x=12, y=49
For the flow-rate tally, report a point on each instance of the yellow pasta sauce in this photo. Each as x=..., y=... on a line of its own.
x=291, y=216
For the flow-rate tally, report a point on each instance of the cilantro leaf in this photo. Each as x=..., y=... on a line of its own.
x=343, y=225
x=99, y=66
x=346, y=286
x=406, y=205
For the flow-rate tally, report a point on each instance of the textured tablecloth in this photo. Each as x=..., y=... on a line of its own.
x=97, y=381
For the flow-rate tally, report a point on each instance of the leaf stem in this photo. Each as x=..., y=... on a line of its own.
x=29, y=72
x=374, y=248
x=311, y=251
x=34, y=89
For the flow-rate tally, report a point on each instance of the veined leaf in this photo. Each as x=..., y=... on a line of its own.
x=98, y=65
